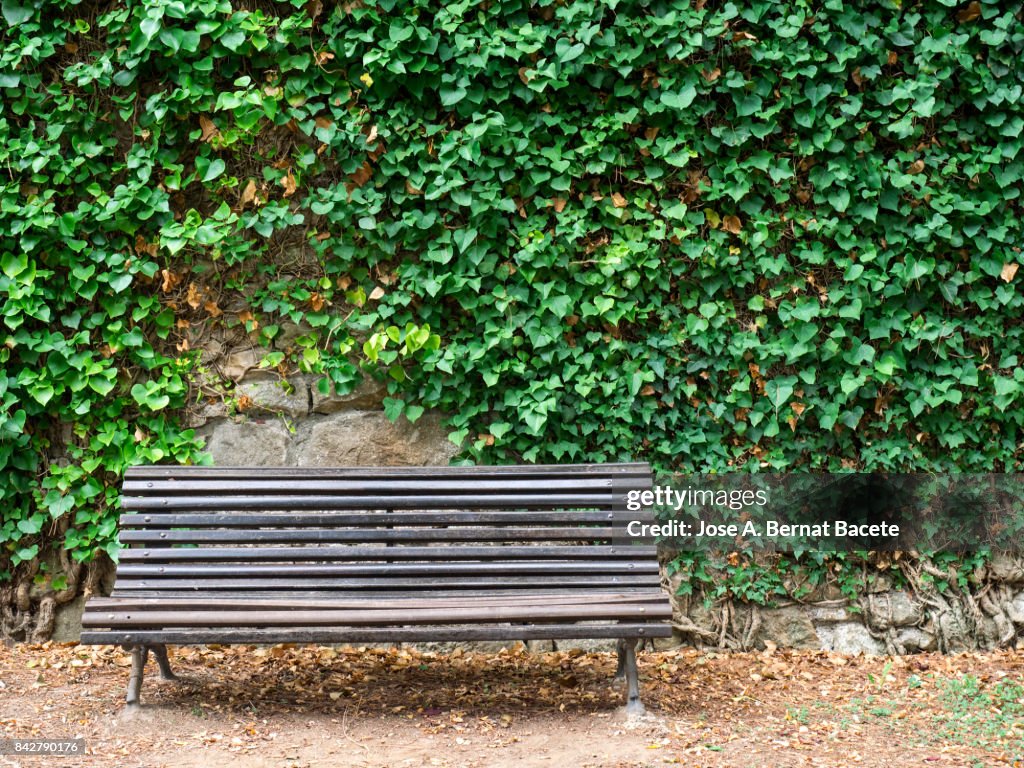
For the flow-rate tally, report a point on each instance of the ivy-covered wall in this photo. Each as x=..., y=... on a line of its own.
x=713, y=235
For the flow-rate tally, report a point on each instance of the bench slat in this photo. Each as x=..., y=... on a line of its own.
x=384, y=617
x=368, y=635
x=353, y=520
x=367, y=487
x=526, y=502
x=351, y=553
x=320, y=570
x=638, y=469
x=588, y=582
x=98, y=605
x=365, y=535
x=353, y=594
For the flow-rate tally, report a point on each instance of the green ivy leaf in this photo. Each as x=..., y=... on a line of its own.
x=16, y=13
x=679, y=99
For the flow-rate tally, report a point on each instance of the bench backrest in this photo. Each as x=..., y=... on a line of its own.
x=387, y=532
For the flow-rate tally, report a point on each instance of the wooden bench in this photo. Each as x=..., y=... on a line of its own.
x=377, y=555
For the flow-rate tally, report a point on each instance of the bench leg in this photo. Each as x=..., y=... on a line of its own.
x=633, y=704
x=620, y=669
x=160, y=651
x=139, y=655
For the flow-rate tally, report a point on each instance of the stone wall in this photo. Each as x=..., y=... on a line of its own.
x=985, y=613
x=289, y=423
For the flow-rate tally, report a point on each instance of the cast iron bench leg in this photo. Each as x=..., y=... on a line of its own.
x=620, y=670
x=160, y=651
x=139, y=655
x=633, y=704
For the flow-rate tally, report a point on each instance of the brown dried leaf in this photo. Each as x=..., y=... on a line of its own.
x=970, y=13
x=411, y=189
x=916, y=167
x=618, y=200
x=195, y=296
x=316, y=301
x=288, y=182
x=247, y=317
x=712, y=74
x=523, y=76
x=1008, y=271
x=171, y=280
x=559, y=204
x=376, y=293
x=372, y=135
x=208, y=128
x=141, y=246
x=212, y=308
x=732, y=224
x=361, y=176
x=248, y=194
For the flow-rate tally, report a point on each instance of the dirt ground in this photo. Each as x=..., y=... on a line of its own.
x=286, y=707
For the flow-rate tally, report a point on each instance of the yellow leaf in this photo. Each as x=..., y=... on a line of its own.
x=365, y=79
x=712, y=218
